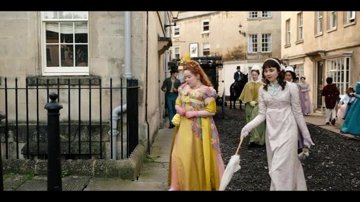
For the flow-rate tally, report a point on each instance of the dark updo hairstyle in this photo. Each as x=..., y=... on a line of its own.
x=255, y=70
x=293, y=75
x=350, y=90
x=273, y=62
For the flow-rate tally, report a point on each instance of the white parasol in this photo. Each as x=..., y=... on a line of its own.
x=232, y=167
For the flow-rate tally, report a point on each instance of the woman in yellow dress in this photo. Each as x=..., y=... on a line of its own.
x=195, y=158
x=250, y=96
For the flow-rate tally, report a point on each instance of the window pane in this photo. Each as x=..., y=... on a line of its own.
x=66, y=29
x=80, y=15
x=65, y=15
x=51, y=15
x=52, y=33
x=206, y=26
x=81, y=32
x=82, y=55
x=52, y=53
x=67, y=56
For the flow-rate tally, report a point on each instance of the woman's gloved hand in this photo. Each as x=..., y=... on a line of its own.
x=244, y=132
x=180, y=110
x=253, y=103
x=304, y=154
x=191, y=114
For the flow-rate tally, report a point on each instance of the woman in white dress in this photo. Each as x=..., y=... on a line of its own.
x=349, y=97
x=279, y=105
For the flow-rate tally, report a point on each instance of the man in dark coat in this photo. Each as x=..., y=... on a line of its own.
x=238, y=75
x=170, y=87
x=331, y=94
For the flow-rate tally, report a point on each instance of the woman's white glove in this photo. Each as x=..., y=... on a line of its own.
x=253, y=103
x=244, y=132
x=304, y=154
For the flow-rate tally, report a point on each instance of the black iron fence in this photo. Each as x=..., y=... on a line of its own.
x=93, y=122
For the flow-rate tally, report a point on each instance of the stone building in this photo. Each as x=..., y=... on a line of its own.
x=322, y=44
x=86, y=50
x=239, y=37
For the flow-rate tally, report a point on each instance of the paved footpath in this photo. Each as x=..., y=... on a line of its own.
x=153, y=176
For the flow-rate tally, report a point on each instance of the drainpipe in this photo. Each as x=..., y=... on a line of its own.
x=146, y=82
x=127, y=42
x=127, y=74
x=115, y=116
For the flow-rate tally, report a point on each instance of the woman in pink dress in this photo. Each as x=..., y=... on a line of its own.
x=304, y=96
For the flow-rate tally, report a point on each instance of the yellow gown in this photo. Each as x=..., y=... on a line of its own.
x=195, y=158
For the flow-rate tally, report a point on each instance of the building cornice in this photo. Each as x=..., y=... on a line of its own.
x=185, y=16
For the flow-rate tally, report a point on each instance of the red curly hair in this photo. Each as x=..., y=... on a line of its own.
x=195, y=68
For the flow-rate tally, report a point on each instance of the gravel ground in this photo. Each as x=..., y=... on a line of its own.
x=333, y=164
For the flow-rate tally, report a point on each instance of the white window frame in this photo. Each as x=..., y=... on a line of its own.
x=177, y=52
x=339, y=69
x=266, y=14
x=206, y=49
x=253, y=43
x=349, y=17
x=332, y=20
x=266, y=43
x=253, y=14
x=55, y=17
x=205, y=25
x=299, y=70
x=300, y=28
x=319, y=22
x=176, y=31
x=288, y=33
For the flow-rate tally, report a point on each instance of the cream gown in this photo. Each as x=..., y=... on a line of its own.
x=283, y=115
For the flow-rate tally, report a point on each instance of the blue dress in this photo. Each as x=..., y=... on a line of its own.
x=352, y=119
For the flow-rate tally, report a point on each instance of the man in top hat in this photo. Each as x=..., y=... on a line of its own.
x=238, y=75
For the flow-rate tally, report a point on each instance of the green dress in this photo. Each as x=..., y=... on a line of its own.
x=250, y=95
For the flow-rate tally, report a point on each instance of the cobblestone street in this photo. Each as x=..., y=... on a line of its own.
x=333, y=164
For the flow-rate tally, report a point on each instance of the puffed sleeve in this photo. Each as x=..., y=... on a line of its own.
x=261, y=115
x=180, y=92
x=210, y=92
x=209, y=97
x=299, y=117
x=178, y=101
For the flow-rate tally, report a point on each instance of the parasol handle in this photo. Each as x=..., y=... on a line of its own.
x=238, y=148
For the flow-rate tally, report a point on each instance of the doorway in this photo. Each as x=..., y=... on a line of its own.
x=320, y=82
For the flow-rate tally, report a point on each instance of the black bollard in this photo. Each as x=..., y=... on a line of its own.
x=53, y=132
x=1, y=167
x=1, y=172
x=132, y=115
